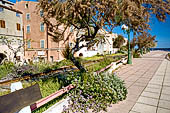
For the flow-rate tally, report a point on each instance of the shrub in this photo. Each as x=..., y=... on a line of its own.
x=25, y=70
x=6, y=68
x=95, y=92
x=136, y=54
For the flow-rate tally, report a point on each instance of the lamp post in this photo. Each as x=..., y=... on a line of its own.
x=124, y=27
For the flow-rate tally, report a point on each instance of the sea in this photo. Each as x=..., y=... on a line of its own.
x=161, y=49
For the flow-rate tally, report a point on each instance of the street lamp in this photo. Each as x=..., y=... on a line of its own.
x=124, y=27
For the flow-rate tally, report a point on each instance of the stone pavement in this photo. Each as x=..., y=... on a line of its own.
x=148, y=83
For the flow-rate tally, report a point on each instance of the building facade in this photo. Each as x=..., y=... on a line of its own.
x=103, y=47
x=11, y=32
x=39, y=45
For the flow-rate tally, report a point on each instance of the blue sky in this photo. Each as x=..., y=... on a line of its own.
x=160, y=29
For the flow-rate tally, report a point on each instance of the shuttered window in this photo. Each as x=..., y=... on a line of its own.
x=2, y=23
x=18, y=27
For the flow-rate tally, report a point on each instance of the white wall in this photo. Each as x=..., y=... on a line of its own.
x=10, y=31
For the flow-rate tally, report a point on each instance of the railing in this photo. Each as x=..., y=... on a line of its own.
x=50, y=97
x=69, y=87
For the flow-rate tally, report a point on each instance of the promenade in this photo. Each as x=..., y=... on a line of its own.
x=148, y=83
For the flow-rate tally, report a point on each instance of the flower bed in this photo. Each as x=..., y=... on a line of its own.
x=95, y=92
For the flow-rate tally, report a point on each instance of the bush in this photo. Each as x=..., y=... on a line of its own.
x=95, y=92
x=136, y=54
x=6, y=68
x=25, y=70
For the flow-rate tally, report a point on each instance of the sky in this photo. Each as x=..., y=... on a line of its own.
x=160, y=29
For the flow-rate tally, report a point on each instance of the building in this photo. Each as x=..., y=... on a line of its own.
x=105, y=46
x=39, y=45
x=11, y=30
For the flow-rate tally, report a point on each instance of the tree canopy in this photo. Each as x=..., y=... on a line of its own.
x=145, y=40
x=92, y=15
x=118, y=42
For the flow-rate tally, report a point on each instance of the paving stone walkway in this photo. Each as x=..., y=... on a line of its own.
x=148, y=83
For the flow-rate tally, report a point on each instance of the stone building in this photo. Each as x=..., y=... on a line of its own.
x=39, y=45
x=10, y=31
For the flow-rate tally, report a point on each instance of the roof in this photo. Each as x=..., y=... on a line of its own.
x=6, y=1
x=10, y=8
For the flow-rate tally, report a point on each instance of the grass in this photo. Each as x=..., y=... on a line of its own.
x=100, y=65
x=98, y=57
x=4, y=92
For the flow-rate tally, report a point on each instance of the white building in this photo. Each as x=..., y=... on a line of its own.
x=11, y=29
x=103, y=47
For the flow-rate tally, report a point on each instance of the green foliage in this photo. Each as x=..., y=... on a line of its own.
x=4, y=92
x=67, y=52
x=49, y=86
x=118, y=42
x=168, y=55
x=123, y=50
x=47, y=67
x=136, y=54
x=98, y=57
x=95, y=92
x=97, y=66
x=6, y=68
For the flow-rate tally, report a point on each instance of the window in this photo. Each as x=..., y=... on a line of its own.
x=71, y=29
x=18, y=27
x=3, y=2
x=71, y=44
x=1, y=9
x=42, y=43
x=26, y=5
x=17, y=15
x=52, y=58
x=2, y=24
x=41, y=13
x=20, y=42
x=42, y=27
x=28, y=16
x=29, y=44
x=28, y=29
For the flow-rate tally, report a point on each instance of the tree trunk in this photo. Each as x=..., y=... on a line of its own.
x=77, y=64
